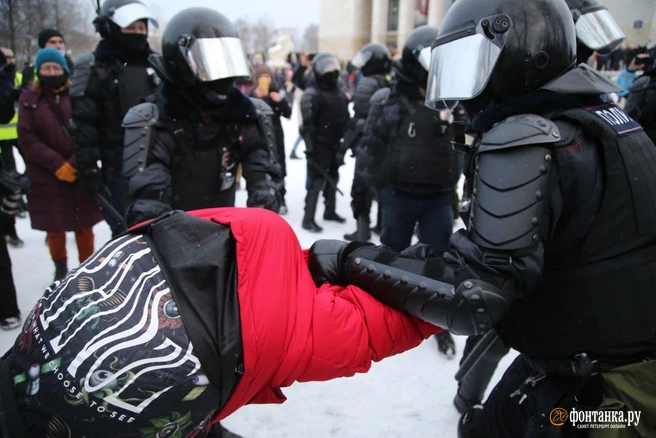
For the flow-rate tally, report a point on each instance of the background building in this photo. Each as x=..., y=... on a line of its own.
x=347, y=25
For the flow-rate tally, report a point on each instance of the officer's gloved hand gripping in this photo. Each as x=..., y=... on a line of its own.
x=397, y=279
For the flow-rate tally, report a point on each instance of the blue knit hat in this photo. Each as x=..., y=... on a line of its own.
x=51, y=55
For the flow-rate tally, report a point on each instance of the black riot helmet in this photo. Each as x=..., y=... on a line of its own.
x=372, y=59
x=499, y=49
x=201, y=52
x=596, y=29
x=326, y=69
x=415, y=57
x=116, y=14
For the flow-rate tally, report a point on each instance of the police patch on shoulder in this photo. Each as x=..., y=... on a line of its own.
x=615, y=117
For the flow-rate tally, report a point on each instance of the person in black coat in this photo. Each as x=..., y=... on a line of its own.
x=183, y=147
x=324, y=107
x=105, y=85
x=9, y=313
x=281, y=108
x=375, y=63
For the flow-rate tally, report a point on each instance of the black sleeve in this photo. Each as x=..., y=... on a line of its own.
x=298, y=78
x=376, y=133
x=633, y=105
x=261, y=170
x=87, y=127
x=362, y=97
x=149, y=191
x=7, y=108
x=284, y=108
x=309, y=108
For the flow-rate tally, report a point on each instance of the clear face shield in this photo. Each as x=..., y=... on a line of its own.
x=598, y=31
x=463, y=61
x=211, y=59
x=128, y=14
x=361, y=59
x=326, y=64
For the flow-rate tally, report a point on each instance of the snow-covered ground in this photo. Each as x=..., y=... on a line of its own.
x=409, y=395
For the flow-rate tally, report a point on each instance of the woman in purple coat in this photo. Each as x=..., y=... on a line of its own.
x=55, y=201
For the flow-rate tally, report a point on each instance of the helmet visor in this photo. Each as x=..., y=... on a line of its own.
x=598, y=31
x=425, y=58
x=211, y=59
x=128, y=14
x=460, y=69
x=361, y=59
x=326, y=64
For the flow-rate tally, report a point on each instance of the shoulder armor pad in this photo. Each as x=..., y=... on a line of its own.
x=510, y=198
x=380, y=97
x=261, y=106
x=138, y=123
x=520, y=130
x=144, y=114
x=81, y=74
x=265, y=122
x=640, y=84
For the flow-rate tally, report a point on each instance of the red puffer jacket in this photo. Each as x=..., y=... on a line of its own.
x=293, y=330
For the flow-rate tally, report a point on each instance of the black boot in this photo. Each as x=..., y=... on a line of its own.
x=61, y=269
x=329, y=213
x=311, y=200
x=362, y=233
x=334, y=217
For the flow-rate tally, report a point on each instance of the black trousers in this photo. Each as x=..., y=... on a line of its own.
x=7, y=154
x=504, y=416
x=472, y=388
x=8, y=303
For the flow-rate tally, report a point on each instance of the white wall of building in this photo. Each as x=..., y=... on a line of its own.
x=347, y=25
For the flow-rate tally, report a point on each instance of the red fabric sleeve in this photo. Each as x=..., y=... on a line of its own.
x=350, y=329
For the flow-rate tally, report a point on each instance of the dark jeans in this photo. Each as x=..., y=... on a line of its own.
x=297, y=143
x=8, y=304
x=117, y=190
x=401, y=211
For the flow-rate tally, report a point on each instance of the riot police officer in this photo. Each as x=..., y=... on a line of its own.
x=419, y=169
x=562, y=225
x=184, y=145
x=596, y=30
x=375, y=63
x=324, y=107
x=105, y=85
x=641, y=101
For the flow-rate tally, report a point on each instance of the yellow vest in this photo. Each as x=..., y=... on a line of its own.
x=8, y=132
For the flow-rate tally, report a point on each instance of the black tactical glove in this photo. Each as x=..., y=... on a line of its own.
x=339, y=158
x=90, y=180
x=327, y=258
x=445, y=344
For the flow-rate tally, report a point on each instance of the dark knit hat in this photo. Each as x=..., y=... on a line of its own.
x=50, y=55
x=46, y=34
x=261, y=70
